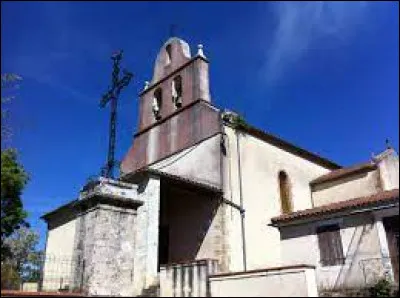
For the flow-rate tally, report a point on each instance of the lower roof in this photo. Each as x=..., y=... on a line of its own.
x=344, y=172
x=383, y=197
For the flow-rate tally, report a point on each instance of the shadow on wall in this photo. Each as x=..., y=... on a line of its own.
x=187, y=217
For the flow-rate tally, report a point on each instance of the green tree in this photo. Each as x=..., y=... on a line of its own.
x=13, y=180
x=25, y=259
x=13, y=175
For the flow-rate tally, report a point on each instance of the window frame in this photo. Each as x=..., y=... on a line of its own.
x=285, y=192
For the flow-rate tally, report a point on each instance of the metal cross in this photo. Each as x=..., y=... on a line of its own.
x=112, y=95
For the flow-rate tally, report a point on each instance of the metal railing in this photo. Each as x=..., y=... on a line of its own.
x=48, y=274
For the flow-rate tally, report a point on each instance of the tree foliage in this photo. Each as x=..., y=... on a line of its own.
x=383, y=288
x=9, y=82
x=25, y=259
x=13, y=180
x=13, y=175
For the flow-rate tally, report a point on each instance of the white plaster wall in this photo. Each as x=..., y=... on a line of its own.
x=279, y=283
x=60, y=241
x=59, y=256
x=383, y=241
x=146, y=238
x=200, y=162
x=389, y=170
x=361, y=249
x=260, y=165
x=357, y=185
x=30, y=287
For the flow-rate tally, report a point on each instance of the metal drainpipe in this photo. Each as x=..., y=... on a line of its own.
x=241, y=202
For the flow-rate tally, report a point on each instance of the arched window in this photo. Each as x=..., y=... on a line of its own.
x=285, y=192
x=157, y=103
x=177, y=91
x=168, y=49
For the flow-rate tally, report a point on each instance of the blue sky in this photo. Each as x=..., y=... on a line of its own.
x=321, y=75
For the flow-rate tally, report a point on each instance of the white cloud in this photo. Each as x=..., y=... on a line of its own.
x=301, y=25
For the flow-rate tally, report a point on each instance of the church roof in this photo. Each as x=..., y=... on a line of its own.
x=383, y=197
x=343, y=172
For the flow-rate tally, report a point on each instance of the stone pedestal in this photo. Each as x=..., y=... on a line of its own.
x=106, y=241
x=105, y=238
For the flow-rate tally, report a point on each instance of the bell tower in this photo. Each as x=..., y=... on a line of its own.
x=175, y=110
x=178, y=80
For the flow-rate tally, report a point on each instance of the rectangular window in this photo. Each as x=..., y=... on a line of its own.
x=330, y=245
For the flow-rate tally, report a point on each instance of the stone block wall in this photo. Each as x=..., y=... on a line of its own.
x=105, y=250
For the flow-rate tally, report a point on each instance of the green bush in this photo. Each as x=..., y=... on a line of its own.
x=383, y=288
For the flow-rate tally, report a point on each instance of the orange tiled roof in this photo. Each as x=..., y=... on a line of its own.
x=381, y=197
x=339, y=173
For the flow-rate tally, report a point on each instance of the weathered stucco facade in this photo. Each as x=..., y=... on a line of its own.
x=255, y=187
x=356, y=185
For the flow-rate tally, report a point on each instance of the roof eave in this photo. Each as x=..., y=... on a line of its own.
x=336, y=213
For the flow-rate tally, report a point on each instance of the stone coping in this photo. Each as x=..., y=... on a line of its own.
x=117, y=183
x=299, y=266
x=94, y=198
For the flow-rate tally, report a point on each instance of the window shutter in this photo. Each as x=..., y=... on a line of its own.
x=324, y=248
x=330, y=245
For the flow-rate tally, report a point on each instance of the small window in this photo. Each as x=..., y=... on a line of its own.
x=157, y=103
x=330, y=245
x=168, y=49
x=177, y=91
x=285, y=192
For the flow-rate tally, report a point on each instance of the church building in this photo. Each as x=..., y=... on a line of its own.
x=208, y=205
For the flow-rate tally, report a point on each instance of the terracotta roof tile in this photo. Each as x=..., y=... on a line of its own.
x=340, y=173
x=381, y=197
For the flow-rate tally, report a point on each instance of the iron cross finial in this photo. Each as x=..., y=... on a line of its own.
x=112, y=94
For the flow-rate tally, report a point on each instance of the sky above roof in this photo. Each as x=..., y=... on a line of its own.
x=322, y=75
